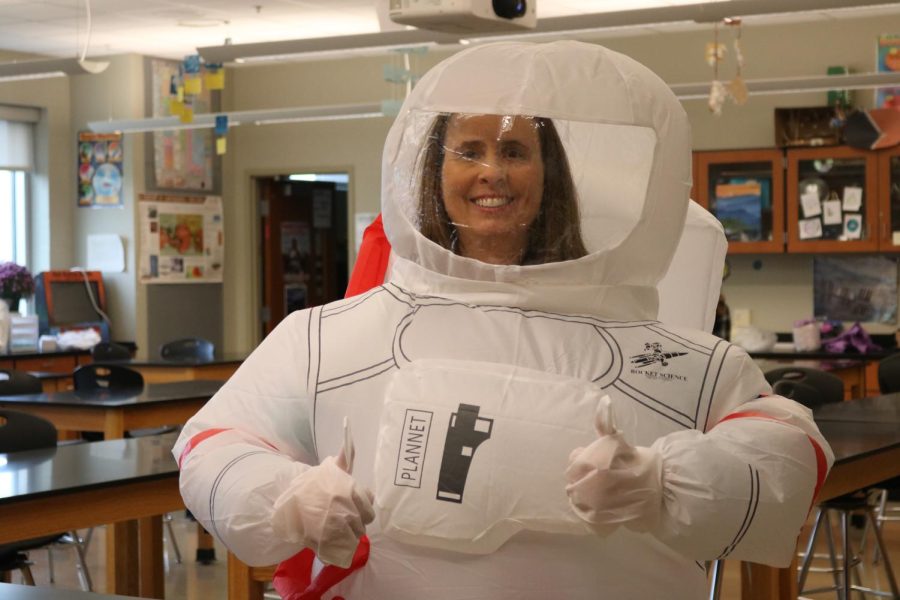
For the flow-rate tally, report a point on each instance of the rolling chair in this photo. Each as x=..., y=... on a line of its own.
x=188, y=349
x=113, y=378
x=888, y=383
x=110, y=351
x=813, y=388
x=20, y=432
x=117, y=378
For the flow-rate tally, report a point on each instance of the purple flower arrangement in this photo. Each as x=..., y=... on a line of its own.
x=15, y=281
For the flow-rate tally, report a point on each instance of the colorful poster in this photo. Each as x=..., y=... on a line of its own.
x=100, y=170
x=888, y=60
x=183, y=159
x=181, y=238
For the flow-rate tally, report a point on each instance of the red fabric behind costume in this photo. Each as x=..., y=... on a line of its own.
x=372, y=260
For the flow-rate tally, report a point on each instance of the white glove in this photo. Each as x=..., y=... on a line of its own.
x=326, y=510
x=612, y=483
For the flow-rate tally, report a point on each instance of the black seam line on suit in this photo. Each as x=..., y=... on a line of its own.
x=745, y=524
x=619, y=385
x=715, y=382
x=350, y=305
x=609, y=339
x=660, y=402
x=755, y=506
x=701, y=565
x=316, y=385
x=335, y=387
x=754, y=500
x=398, y=336
x=587, y=319
x=308, y=347
x=358, y=371
x=674, y=337
x=215, y=486
x=409, y=303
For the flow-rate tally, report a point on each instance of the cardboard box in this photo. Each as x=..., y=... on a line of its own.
x=805, y=127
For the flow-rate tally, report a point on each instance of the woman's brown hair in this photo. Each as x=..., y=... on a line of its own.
x=555, y=235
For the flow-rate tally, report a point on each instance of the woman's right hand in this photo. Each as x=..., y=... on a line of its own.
x=326, y=510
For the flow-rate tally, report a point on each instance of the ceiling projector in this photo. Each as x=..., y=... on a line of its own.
x=465, y=16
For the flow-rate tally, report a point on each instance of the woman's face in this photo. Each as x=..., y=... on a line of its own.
x=492, y=181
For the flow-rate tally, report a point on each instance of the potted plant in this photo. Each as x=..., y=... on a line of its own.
x=16, y=283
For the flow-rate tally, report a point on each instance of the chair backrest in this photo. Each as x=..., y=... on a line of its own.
x=810, y=387
x=14, y=382
x=188, y=349
x=889, y=374
x=110, y=351
x=107, y=377
x=20, y=431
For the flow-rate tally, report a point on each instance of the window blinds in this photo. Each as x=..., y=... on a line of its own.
x=17, y=136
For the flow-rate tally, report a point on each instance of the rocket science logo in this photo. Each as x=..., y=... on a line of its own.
x=654, y=354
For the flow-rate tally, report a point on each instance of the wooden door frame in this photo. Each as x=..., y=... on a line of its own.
x=255, y=271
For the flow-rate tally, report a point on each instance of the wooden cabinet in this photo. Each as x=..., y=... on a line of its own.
x=744, y=189
x=889, y=198
x=53, y=369
x=832, y=200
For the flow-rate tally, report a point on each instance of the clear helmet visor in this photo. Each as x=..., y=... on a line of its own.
x=522, y=189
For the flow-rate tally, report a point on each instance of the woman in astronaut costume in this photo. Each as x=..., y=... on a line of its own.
x=529, y=430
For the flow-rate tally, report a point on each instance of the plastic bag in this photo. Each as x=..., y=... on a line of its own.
x=854, y=339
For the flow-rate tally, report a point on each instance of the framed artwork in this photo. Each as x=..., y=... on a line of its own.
x=180, y=160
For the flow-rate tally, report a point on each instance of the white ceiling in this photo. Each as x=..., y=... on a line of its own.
x=175, y=28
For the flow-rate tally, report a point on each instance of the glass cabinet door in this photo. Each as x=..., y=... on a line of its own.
x=744, y=189
x=889, y=195
x=831, y=200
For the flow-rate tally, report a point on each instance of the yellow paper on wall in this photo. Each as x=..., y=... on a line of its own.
x=215, y=80
x=179, y=93
x=193, y=85
x=221, y=145
x=176, y=107
x=187, y=114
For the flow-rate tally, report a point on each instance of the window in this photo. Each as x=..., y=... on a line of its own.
x=13, y=224
x=16, y=160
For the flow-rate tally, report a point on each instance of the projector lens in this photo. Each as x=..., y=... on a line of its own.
x=510, y=9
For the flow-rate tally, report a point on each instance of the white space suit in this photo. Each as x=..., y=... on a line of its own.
x=474, y=389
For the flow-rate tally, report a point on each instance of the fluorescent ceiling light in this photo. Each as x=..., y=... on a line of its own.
x=370, y=43
x=31, y=69
x=787, y=85
x=365, y=43
x=257, y=117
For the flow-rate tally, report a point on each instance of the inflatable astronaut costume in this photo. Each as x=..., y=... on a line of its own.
x=529, y=430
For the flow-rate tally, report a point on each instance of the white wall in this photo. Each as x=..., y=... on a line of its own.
x=117, y=93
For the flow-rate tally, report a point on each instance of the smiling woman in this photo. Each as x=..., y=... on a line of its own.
x=497, y=188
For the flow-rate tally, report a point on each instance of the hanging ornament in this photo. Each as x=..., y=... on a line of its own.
x=737, y=88
x=717, y=92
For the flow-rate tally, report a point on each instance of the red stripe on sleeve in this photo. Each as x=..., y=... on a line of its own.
x=821, y=461
x=192, y=443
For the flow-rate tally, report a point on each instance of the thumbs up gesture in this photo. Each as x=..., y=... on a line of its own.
x=612, y=483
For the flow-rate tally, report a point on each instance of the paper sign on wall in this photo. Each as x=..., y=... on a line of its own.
x=181, y=238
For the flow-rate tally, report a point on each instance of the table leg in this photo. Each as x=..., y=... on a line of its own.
x=114, y=426
x=761, y=582
x=206, y=549
x=241, y=585
x=152, y=572
x=122, y=558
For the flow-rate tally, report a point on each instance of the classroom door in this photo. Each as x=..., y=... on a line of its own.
x=304, y=245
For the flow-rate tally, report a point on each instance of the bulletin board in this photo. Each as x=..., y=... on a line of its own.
x=181, y=238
